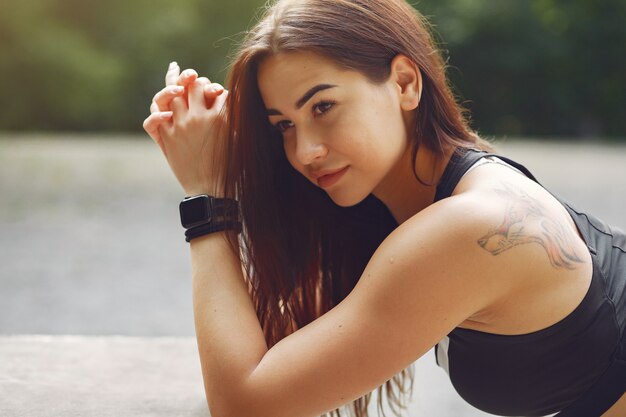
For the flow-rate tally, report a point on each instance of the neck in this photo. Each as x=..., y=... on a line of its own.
x=402, y=193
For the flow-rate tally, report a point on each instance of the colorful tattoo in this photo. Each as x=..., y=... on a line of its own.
x=525, y=222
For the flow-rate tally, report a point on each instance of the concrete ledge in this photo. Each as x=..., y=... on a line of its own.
x=100, y=376
x=122, y=376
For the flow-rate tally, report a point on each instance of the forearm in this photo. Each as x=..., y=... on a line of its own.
x=230, y=338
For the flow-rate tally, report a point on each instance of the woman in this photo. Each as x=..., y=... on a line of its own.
x=376, y=225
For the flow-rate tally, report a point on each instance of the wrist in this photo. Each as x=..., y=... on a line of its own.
x=212, y=191
x=211, y=228
x=207, y=187
x=204, y=214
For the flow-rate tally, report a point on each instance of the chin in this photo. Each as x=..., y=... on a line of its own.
x=346, y=199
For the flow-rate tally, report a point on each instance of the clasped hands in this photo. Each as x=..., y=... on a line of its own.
x=188, y=122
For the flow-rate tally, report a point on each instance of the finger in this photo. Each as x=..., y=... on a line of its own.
x=196, y=94
x=186, y=77
x=179, y=106
x=153, y=122
x=173, y=72
x=163, y=98
x=211, y=91
x=220, y=102
x=204, y=80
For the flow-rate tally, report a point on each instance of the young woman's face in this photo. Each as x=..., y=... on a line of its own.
x=343, y=133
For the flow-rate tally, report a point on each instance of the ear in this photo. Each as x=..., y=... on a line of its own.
x=408, y=79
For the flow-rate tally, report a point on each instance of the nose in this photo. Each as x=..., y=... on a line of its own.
x=309, y=148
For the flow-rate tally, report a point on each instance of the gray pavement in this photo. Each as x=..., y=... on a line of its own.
x=103, y=376
x=111, y=376
x=90, y=245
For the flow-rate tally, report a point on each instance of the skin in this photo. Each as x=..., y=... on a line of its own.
x=341, y=127
x=440, y=269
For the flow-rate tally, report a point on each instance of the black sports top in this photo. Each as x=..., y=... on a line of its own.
x=576, y=367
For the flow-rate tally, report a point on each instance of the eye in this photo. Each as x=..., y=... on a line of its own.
x=319, y=109
x=283, y=125
x=322, y=107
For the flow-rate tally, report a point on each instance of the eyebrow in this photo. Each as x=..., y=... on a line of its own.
x=305, y=98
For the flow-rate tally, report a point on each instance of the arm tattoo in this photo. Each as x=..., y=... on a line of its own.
x=525, y=222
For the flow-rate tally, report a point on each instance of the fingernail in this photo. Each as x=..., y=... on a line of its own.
x=178, y=89
x=166, y=115
x=212, y=88
x=188, y=73
x=173, y=64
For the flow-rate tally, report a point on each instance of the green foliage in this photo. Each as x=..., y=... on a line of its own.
x=537, y=67
x=86, y=65
x=532, y=67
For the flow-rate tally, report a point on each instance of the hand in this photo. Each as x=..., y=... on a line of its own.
x=175, y=84
x=188, y=123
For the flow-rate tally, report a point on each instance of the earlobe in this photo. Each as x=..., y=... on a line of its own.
x=408, y=78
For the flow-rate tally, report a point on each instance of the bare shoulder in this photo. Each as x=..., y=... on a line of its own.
x=529, y=234
x=519, y=212
x=437, y=252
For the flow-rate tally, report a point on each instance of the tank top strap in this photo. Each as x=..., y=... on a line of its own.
x=461, y=161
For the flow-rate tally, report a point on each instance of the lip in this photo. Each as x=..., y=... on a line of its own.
x=326, y=179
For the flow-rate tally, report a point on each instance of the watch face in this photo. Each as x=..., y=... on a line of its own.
x=194, y=211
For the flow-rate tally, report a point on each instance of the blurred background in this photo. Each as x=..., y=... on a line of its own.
x=535, y=67
x=90, y=242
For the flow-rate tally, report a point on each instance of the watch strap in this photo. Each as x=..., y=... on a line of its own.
x=212, y=227
x=217, y=210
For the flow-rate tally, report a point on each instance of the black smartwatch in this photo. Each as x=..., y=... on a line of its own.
x=204, y=210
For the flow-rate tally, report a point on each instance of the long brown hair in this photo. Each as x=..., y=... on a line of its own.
x=300, y=250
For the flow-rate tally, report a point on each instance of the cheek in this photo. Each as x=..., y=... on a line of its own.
x=380, y=112
x=380, y=130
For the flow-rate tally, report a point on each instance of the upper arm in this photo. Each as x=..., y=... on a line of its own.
x=318, y=310
x=426, y=278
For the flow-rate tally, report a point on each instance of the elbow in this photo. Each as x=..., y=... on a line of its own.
x=236, y=410
x=228, y=410
x=233, y=406
x=250, y=400
x=243, y=407
x=236, y=405
x=256, y=409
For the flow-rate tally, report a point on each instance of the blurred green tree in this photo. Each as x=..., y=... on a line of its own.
x=87, y=65
x=535, y=67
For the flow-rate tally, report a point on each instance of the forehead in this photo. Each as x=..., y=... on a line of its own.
x=284, y=77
